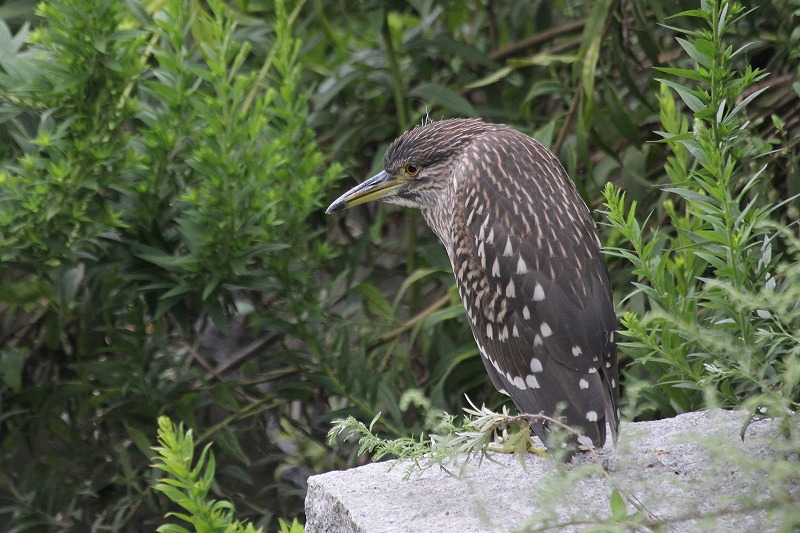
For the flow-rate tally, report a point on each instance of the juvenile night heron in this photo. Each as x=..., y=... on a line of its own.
x=527, y=262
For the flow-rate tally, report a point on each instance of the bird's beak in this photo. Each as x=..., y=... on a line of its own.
x=378, y=186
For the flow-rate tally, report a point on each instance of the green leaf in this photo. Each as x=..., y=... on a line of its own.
x=589, y=51
x=294, y=527
x=589, y=66
x=375, y=300
x=543, y=60
x=225, y=438
x=683, y=73
x=744, y=103
x=449, y=313
x=171, y=492
x=411, y=279
x=139, y=438
x=169, y=262
x=494, y=77
x=620, y=116
x=210, y=287
x=66, y=284
x=224, y=397
x=171, y=528
x=691, y=101
x=11, y=364
x=216, y=311
x=441, y=95
x=700, y=13
x=706, y=49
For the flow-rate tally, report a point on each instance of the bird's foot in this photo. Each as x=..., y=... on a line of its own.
x=506, y=447
x=536, y=450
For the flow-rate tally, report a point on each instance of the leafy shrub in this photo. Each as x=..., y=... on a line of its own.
x=160, y=182
x=160, y=179
x=720, y=283
x=188, y=484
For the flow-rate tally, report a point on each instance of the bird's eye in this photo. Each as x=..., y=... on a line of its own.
x=411, y=170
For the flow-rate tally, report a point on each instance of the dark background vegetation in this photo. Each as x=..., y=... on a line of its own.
x=164, y=248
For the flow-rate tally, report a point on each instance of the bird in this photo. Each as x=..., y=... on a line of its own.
x=527, y=262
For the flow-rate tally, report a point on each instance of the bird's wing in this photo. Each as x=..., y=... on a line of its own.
x=534, y=283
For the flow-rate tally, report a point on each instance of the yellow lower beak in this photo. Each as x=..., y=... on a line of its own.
x=379, y=186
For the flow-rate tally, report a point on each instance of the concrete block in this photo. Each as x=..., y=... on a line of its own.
x=679, y=469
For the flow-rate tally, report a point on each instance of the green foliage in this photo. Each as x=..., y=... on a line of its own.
x=157, y=193
x=720, y=284
x=294, y=527
x=452, y=441
x=188, y=486
x=163, y=247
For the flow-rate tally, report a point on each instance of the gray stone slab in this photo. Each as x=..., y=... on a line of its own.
x=694, y=465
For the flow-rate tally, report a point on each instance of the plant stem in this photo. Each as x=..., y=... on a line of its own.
x=398, y=90
x=394, y=71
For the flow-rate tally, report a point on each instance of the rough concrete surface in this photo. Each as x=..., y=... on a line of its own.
x=694, y=465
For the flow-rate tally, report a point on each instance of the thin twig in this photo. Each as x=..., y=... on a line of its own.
x=416, y=319
x=538, y=38
x=242, y=355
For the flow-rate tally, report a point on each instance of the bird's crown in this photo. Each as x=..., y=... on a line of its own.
x=433, y=142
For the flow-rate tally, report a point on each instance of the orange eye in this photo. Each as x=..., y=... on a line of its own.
x=411, y=170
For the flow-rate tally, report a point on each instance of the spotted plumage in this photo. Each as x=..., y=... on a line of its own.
x=527, y=262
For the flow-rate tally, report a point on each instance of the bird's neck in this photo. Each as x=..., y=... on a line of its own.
x=439, y=218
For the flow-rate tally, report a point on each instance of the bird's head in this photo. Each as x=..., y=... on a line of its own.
x=418, y=166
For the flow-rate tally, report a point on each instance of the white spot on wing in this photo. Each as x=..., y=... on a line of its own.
x=484, y=225
x=519, y=383
x=511, y=290
x=490, y=238
x=509, y=250
x=526, y=313
x=532, y=382
x=522, y=268
x=583, y=384
x=495, y=268
x=538, y=293
x=576, y=351
x=537, y=341
x=489, y=331
x=536, y=365
x=591, y=416
x=545, y=329
x=515, y=331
